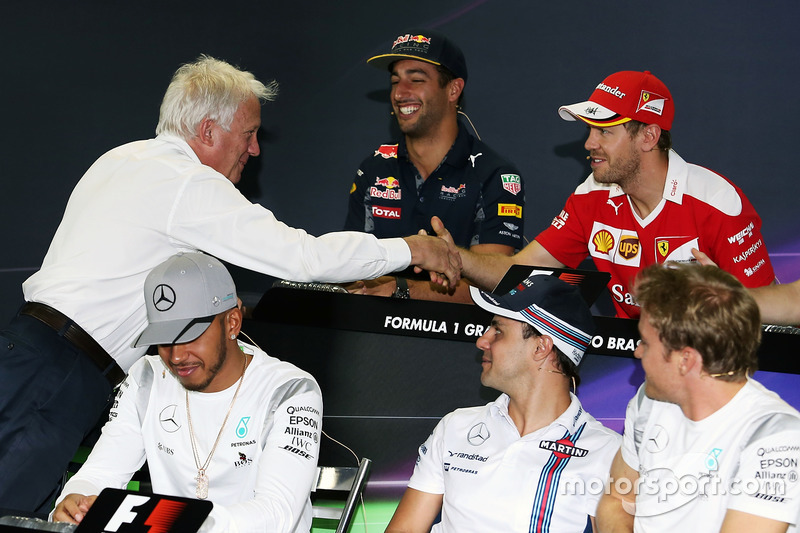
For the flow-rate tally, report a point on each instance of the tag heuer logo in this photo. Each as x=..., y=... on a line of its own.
x=511, y=183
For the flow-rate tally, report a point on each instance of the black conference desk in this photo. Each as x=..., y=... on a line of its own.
x=389, y=369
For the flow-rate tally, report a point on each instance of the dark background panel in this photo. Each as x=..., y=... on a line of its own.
x=81, y=78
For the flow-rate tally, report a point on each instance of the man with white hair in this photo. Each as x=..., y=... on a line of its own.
x=138, y=204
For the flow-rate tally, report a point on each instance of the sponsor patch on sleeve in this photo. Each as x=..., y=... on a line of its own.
x=509, y=210
x=511, y=183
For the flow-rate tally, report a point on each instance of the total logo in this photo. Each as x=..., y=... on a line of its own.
x=386, y=212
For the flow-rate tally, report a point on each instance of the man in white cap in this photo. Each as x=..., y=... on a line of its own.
x=213, y=416
x=642, y=204
x=706, y=447
x=526, y=461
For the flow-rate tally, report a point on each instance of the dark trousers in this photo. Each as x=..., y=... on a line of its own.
x=51, y=396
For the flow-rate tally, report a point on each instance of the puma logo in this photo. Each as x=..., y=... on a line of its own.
x=615, y=206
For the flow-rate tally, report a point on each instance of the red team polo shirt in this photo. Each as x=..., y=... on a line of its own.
x=700, y=209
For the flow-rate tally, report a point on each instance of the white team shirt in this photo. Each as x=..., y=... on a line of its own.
x=492, y=479
x=745, y=456
x=145, y=201
x=261, y=474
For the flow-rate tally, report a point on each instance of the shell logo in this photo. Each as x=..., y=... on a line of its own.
x=603, y=241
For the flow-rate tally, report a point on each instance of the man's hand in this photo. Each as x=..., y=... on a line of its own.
x=73, y=508
x=438, y=255
x=702, y=258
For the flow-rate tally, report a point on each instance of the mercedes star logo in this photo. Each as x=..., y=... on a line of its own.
x=163, y=297
x=658, y=439
x=478, y=434
x=167, y=418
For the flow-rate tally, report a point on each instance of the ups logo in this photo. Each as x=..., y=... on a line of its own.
x=629, y=247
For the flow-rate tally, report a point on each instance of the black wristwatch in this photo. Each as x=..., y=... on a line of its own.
x=402, y=289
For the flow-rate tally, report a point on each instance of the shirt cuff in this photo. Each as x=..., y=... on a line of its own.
x=398, y=254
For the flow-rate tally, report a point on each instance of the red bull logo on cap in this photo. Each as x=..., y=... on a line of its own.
x=413, y=38
x=387, y=151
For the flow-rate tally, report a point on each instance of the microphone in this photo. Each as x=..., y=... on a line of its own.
x=588, y=157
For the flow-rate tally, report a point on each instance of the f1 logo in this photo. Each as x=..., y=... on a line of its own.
x=160, y=519
x=124, y=513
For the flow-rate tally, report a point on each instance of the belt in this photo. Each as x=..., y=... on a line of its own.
x=72, y=332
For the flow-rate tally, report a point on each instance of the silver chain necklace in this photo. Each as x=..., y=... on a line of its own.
x=202, y=479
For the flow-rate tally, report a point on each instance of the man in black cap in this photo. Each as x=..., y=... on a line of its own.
x=529, y=460
x=436, y=168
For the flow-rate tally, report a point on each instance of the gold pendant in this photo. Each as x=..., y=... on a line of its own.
x=202, y=485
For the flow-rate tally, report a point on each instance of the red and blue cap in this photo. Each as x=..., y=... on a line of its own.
x=622, y=97
x=552, y=306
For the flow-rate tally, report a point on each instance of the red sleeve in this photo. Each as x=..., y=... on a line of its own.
x=566, y=237
x=736, y=245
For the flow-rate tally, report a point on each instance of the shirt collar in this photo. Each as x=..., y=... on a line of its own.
x=675, y=184
x=456, y=157
x=182, y=145
x=569, y=419
x=677, y=178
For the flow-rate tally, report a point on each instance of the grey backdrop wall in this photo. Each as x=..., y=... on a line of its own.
x=81, y=78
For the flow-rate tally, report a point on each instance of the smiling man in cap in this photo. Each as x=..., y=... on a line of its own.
x=509, y=465
x=435, y=168
x=213, y=416
x=642, y=204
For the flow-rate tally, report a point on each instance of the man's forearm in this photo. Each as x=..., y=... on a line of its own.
x=779, y=304
x=612, y=516
x=484, y=270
